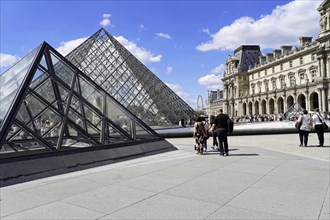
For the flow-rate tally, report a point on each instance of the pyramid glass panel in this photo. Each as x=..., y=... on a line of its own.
x=11, y=81
x=60, y=108
x=125, y=78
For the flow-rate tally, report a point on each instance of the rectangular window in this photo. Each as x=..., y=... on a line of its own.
x=282, y=83
x=265, y=72
x=313, y=57
x=313, y=72
x=301, y=60
x=273, y=69
x=281, y=66
x=290, y=63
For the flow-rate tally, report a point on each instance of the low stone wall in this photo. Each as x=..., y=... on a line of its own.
x=30, y=167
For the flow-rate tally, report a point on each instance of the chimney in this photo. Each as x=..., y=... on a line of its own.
x=218, y=93
x=262, y=59
x=286, y=49
x=276, y=53
x=269, y=57
x=304, y=41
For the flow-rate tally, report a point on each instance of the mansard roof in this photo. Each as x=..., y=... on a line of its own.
x=248, y=55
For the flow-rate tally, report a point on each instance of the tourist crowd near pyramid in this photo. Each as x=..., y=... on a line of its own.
x=98, y=95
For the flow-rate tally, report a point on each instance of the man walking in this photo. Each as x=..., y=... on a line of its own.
x=221, y=127
x=317, y=120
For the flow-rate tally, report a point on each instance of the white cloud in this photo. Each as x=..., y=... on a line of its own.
x=162, y=35
x=211, y=81
x=142, y=54
x=106, y=15
x=219, y=69
x=7, y=60
x=283, y=26
x=67, y=47
x=183, y=95
x=169, y=69
x=106, y=21
x=206, y=30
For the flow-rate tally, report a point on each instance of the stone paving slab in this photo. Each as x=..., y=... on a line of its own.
x=265, y=177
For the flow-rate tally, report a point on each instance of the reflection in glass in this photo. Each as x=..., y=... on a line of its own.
x=125, y=78
x=12, y=79
x=55, y=115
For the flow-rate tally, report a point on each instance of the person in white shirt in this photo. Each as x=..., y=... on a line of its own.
x=305, y=128
x=317, y=120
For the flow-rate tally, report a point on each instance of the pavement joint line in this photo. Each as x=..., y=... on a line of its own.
x=325, y=197
x=249, y=186
x=269, y=213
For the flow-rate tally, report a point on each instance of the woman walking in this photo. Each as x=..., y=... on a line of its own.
x=199, y=135
x=305, y=128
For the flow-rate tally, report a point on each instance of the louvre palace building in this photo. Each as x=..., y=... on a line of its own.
x=258, y=84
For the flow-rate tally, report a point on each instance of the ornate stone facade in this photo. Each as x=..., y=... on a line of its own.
x=271, y=83
x=214, y=102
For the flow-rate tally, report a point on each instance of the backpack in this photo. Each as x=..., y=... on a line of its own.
x=230, y=126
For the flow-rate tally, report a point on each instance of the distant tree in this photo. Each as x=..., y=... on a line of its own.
x=200, y=112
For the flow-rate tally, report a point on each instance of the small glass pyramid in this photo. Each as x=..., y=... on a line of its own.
x=49, y=105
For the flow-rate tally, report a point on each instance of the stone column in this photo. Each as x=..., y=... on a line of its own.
x=324, y=100
x=320, y=99
x=328, y=66
x=321, y=65
x=239, y=108
x=226, y=92
x=233, y=108
x=324, y=67
x=232, y=91
x=307, y=100
x=226, y=108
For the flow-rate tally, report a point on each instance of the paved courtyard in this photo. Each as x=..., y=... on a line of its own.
x=265, y=177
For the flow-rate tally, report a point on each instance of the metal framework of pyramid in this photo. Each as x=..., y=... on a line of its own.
x=293, y=112
x=130, y=82
x=49, y=105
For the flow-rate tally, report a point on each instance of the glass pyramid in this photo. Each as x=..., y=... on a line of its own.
x=11, y=81
x=130, y=82
x=48, y=104
x=293, y=112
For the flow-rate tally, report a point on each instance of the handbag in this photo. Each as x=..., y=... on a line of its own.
x=298, y=125
x=324, y=125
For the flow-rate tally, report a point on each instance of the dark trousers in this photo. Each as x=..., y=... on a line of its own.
x=214, y=137
x=320, y=134
x=303, y=136
x=223, y=141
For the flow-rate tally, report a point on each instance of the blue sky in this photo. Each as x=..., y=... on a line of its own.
x=185, y=43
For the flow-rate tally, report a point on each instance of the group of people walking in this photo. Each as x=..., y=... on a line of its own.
x=307, y=123
x=218, y=128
